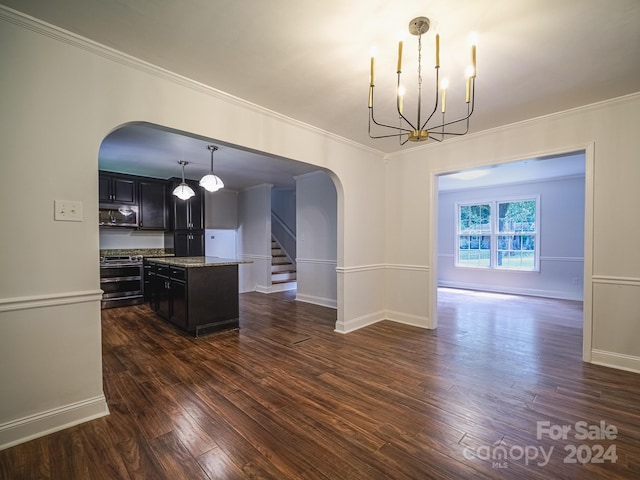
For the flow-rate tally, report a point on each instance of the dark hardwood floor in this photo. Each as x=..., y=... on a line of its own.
x=285, y=397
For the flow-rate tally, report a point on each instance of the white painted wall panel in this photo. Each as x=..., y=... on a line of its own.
x=316, y=220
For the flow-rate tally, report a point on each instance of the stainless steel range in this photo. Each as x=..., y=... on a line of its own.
x=121, y=280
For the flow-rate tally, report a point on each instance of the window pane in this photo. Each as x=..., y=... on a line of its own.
x=528, y=242
x=517, y=217
x=474, y=251
x=474, y=218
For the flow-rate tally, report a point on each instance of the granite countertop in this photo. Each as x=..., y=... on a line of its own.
x=144, y=252
x=189, y=262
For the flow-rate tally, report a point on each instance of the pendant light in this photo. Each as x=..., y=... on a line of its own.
x=211, y=182
x=183, y=191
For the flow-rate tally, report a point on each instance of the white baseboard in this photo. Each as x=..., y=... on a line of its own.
x=408, y=319
x=324, y=302
x=616, y=360
x=560, y=295
x=278, y=287
x=359, y=322
x=283, y=287
x=43, y=423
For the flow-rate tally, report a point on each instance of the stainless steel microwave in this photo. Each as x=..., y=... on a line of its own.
x=112, y=215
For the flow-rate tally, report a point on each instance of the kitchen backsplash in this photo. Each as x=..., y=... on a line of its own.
x=119, y=238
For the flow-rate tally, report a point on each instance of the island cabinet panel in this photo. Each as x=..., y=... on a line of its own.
x=212, y=298
x=198, y=300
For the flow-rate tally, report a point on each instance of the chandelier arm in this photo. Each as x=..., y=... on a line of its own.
x=461, y=119
x=371, y=118
x=435, y=139
x=384, y=136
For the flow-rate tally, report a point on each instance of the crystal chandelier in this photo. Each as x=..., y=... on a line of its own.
x=434, y=127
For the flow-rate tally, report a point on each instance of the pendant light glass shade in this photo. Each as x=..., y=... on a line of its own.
x=211, y=182
x=183, y=191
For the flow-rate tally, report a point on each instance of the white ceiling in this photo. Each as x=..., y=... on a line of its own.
x=310, y=60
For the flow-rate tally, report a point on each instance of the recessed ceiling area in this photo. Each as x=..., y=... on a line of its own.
x=153, y=151
x=529, y=170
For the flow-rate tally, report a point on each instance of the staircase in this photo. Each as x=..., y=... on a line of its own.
x=283, y=271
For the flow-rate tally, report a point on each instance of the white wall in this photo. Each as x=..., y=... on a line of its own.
x=561, y=240
x=221, y=209
x=606, y=131
x=316, y=217
x=68, y=94
x=221, y=243
x=254, y=238
x=283, y=204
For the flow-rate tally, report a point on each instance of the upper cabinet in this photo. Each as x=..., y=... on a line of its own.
x=117, y=188
x=188, y=214
x=152, y=204
x=149, y=194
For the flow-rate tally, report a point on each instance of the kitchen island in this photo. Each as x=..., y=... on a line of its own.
x=197, y=294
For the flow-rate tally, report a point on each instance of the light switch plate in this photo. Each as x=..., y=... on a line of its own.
x=67, y=211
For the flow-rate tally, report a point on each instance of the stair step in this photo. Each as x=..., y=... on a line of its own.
x=283, y=276
x=280, y=261
x=279, y=282
x=282, y=266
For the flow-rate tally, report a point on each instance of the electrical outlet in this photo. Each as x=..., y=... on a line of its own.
x=67, y=211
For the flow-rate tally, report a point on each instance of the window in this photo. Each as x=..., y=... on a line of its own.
x=499, y=234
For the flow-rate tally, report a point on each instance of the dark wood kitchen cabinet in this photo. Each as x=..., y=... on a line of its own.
x=117, y=188
x=152, y=204
x=197, y=300
x=188, y=214
x=186, y=235
x=169, y=294
x=188, y=243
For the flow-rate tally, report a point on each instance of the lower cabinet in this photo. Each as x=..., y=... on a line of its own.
x=188, y=243
x=197, y=300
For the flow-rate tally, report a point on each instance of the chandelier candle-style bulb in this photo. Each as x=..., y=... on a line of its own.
x=444, y=84
x=373, y=61
x=427, y=126
x=401, y=92
x=473, y=59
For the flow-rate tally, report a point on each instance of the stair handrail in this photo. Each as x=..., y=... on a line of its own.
x=288, y=245
x=282, y=224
